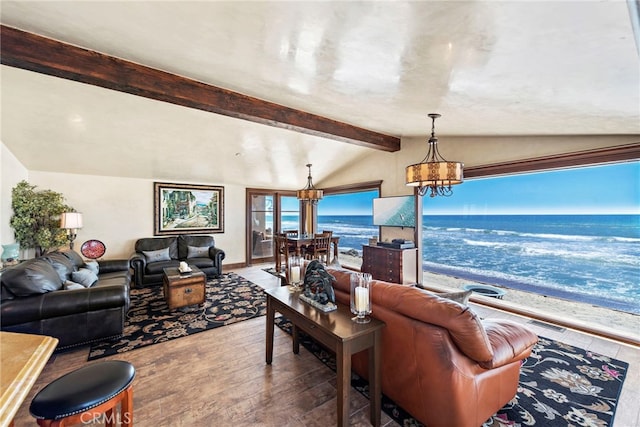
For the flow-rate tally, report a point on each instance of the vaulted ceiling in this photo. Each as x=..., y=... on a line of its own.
x=254, y=90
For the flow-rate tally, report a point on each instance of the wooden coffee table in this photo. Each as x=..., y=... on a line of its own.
x=336, y=331
x=181, y=290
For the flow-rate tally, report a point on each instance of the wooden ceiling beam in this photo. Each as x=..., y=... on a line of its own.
x=32, y=52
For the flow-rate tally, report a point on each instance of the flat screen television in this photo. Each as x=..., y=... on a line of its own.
x=397, y=211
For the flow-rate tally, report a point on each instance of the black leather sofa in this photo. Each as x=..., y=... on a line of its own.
x=39, y=296
x=153, y=254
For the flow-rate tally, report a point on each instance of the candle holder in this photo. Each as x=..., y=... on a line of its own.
x=294, y=273
x=361, y=297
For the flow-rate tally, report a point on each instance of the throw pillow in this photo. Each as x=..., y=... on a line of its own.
x=93, y=266
x=462, y=297
x=157, y=256
x=69, y=285
x=84, y=277
x=197, y=251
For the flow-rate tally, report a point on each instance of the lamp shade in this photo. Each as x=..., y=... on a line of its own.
x=71, y=220
x=434, y=174
x=309, y=194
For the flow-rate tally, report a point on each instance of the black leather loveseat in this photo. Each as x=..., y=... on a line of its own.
x=54, y=295
x=152, y=255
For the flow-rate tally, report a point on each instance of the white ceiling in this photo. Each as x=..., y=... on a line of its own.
x=489, y=67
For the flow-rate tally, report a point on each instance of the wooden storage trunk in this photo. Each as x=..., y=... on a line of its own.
x=181, y=290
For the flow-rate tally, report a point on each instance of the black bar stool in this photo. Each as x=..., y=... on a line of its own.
x=86, y=393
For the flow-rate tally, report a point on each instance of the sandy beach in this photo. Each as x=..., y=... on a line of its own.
x=573, y=310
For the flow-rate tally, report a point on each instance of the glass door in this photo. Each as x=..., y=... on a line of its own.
x=268, y=212
x=261, y=226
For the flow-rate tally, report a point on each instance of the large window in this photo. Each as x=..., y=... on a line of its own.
x=290, y=213
x=348, y=213
x=572, y=233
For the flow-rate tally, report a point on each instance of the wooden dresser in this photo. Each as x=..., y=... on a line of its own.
x=390, y=265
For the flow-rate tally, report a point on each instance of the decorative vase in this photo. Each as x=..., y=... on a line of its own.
x=10, y=254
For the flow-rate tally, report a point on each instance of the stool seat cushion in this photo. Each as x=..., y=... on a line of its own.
x=82, y=389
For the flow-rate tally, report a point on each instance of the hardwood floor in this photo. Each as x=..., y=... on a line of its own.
x=219, y=377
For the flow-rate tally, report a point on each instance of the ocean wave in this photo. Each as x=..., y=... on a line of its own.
x=591, y=253
x=543, y=236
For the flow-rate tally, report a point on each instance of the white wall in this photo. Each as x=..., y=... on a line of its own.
x=117, y=211
x=11, y=173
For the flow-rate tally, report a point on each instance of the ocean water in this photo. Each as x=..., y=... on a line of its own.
x=589, y=258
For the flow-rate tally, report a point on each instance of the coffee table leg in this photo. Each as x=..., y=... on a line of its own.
x=343, y=368
x=271, y=314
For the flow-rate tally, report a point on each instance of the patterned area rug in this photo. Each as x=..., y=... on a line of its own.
x=560, y=385
x=230, y=299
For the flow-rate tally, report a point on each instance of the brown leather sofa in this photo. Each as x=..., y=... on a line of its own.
x=440, y=361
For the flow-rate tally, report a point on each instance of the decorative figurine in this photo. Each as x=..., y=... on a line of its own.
x=318, y=290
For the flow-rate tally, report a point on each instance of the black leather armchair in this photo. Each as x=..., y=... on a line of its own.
x=152, y=255
x=35, y=301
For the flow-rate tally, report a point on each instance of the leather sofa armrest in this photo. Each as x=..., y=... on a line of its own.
x=217, y=255
x=138, y=262
x=510, y=342
x=109, y=266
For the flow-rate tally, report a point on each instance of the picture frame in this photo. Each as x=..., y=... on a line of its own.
x=188, y=209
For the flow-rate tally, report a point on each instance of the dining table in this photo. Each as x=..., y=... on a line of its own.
x=302, y=241
x=22, y=358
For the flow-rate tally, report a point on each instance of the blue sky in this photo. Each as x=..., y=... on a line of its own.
x=608, y=189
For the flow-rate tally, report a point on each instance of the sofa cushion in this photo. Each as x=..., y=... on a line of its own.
x=153, y=244
x=157, y=267
x=197, y=251
x=201, y=262
x=36, y=276
x=5, y=294
x=73, y=256
x=93, y=266
x=70, y=286
x=462, y=297
x=84, y=277
x=157, y=255
x=184, y=241
x=63, y=266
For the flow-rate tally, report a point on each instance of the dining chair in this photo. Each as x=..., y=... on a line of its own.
x=283, y=250
x=319, y=249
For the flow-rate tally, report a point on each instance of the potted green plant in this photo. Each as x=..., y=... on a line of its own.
x=36, y=218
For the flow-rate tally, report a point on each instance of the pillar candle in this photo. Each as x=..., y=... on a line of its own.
x=362, y=299
x=295, y=274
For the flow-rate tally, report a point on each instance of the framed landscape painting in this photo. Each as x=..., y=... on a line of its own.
x=188, y=209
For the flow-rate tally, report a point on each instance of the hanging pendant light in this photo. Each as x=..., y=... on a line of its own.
x=434, y=174
x=309, y=192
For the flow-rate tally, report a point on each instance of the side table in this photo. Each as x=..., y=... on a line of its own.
x=336, y=331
